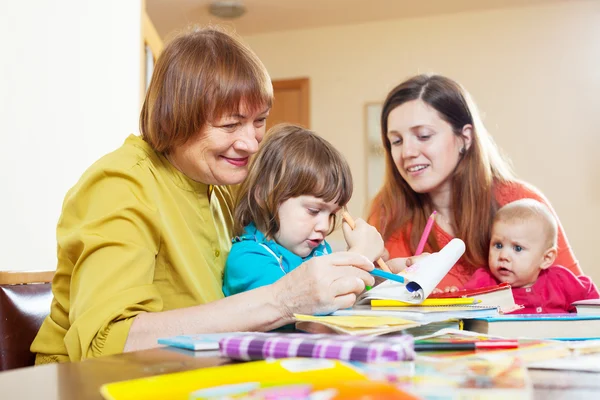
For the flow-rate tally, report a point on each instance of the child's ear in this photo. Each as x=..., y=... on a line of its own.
x=548, y=258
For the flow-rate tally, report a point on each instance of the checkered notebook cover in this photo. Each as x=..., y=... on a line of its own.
x=340, y=347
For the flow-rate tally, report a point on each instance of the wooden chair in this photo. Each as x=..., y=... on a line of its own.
x=25, y=298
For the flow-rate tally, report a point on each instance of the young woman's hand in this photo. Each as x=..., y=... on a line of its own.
x=323, y=284
x=363, y=239
x=401, y=263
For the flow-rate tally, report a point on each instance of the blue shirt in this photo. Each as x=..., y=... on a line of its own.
x=255, y=261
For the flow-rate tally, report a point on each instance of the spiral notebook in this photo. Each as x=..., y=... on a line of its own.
x=420, y=279
x=260, y=346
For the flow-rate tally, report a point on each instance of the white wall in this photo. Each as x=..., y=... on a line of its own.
x=69, y=92
x=534, y=72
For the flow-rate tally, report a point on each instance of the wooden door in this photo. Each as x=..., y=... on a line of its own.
x=290, y=103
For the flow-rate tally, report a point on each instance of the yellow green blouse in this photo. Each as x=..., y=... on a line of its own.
x=135, y=235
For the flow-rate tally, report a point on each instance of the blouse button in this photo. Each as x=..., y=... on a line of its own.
x=539, y=309
x=217, y=253
x=528, y=289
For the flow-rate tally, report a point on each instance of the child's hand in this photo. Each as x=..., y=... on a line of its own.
x=363, y=239
x=447, y=289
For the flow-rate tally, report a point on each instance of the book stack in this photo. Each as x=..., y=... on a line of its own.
x=538, y=326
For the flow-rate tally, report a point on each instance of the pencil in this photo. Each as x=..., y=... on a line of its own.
x=452, y=301
x=468, y=346
x=352, y=224
x=387, y=275
x=426, y=232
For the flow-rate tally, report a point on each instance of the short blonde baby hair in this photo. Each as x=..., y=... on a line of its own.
x=530, y=210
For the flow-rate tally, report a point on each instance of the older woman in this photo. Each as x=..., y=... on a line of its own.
x=144, y=235
x=440, y=157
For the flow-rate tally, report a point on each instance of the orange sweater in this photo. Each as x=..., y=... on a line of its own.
x=461, y=272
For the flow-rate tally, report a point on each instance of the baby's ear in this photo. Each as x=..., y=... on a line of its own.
x=548, y=258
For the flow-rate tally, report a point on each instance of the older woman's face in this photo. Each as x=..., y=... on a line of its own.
x=219, y=154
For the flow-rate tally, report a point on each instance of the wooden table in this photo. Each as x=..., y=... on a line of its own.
x=82, y=380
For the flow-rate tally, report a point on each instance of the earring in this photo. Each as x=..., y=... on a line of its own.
x=462, y=151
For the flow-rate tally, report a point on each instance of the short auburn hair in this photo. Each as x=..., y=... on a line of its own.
x=292, y=161
x=527, y=210
x=200, y=76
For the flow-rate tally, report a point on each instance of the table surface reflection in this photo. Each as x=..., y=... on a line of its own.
x=82, y=380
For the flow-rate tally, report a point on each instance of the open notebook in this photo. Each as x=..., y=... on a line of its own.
x=420, y=279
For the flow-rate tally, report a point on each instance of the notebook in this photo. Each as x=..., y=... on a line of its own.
x=498, y=295
x=420, y=279
x=538, y=326
x=339, y=347
x=529, y=350
x=587, y=363
x=587, y=307
x=181, y=385
x=304, y=391
x=356, y=325
x=206, y=341
x=423, y=314
x=425, y=329
x=502, y=379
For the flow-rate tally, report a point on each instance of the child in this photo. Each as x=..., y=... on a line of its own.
x=522, y=251
x=286, y=207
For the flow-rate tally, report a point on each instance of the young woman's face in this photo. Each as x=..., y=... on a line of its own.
x=304, y=222
x=219, y=154
x=424, y=148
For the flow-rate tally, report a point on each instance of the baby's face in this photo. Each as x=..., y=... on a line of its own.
x=517, y=252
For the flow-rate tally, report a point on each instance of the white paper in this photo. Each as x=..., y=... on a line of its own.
x=420, y=279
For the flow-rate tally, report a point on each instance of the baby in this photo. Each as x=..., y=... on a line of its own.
x=522, y=253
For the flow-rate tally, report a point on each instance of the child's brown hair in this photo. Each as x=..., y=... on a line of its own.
x=291, y=162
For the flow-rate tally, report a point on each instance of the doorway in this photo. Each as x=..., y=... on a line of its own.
x=290, y=103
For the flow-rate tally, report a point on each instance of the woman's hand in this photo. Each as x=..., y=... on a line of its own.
x=401, y=263
x=363, y=239
x=323, y=284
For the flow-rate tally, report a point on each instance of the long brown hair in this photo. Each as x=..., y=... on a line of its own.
x=397, y=206
x=291, y=162
x=201, y=75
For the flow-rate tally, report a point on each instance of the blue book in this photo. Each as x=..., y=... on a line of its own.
x=538, y=326
x=204, y=341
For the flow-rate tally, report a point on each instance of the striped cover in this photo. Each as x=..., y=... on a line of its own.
x=258, y=346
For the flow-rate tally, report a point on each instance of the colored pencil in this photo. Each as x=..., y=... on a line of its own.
x=452, y=301
x=387, y=275
x=425, y=234
x=352, y=224
x=466, y=346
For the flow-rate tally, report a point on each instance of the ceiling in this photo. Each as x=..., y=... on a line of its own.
x=264, y=16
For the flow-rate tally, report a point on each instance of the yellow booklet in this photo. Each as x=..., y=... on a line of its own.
x=286, y=371
x=359, y=325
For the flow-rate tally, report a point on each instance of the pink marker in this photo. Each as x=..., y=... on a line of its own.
x=426, y=232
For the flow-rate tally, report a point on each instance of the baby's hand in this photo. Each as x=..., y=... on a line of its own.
x=363, y=239
x=447, y=289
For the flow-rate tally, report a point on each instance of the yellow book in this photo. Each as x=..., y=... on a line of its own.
x=355, y=321
x=425, y=303
x=287, y=371
x=357, y=325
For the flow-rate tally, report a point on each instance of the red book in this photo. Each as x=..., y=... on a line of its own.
x=498, y=295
